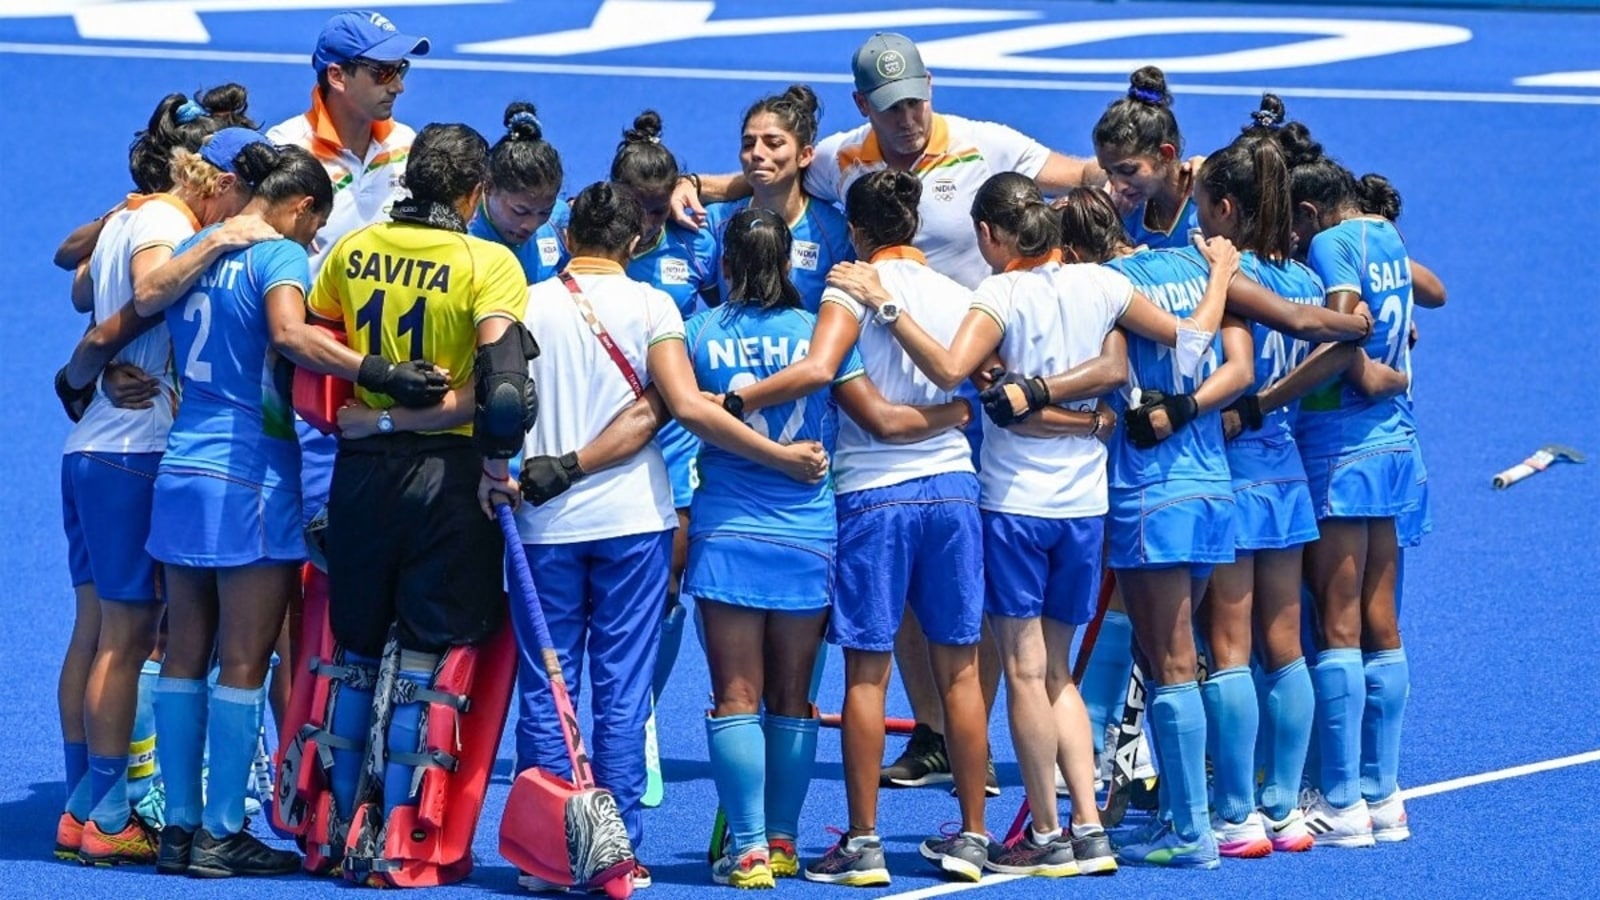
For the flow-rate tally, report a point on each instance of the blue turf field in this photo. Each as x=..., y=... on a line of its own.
x=1501, y=196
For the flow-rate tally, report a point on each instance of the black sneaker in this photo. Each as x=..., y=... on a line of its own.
x=238, y=854
x=962, y=855
x=173, y=856
x=991, y=783
x=857, y=862
x=923, y=762
x=1094, y=854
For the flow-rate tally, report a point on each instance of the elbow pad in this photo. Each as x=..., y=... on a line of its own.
x=1193, y=348
x=506, y=401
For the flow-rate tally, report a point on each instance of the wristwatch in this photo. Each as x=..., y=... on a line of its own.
x=385, y=422
x=888, y=312
x=734, y=404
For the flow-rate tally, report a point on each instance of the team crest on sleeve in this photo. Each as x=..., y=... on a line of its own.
x=805, y=255
x=549, y=251
x=674, y=271
x=891, y=64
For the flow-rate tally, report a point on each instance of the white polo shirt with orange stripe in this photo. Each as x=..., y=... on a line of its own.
x=363, y=189
x=961, y=155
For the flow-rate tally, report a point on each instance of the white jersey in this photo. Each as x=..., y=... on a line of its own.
x=156, y=220
x=363, y=188
x=582, y=389
x=961, y=155
x=1051, y=318
x=861, y=461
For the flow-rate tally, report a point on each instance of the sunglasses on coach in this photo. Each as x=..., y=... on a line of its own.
x=382, y=72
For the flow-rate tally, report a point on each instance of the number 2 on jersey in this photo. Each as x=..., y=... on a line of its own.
x=370, y=319
x=198, y=306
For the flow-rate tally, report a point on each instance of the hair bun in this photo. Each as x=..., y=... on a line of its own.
x=522, y=122
x=646, y=128
x=1149, y=85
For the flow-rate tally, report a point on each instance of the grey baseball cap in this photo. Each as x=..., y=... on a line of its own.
x=889, y=69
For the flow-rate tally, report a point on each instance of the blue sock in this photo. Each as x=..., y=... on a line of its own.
x=738, y=761
x=235, y=721
x=1178, y=716
x=142, y=768
x=76, y=754
x=108, y=792
x=1232, y=717
x=671, y=641
x=405, y=732
x=1341, y=693
x=791, y=754
x=1388, y=678
x=1105, y=682
x=1288, y=704
x=352, y=715
x=181, y=722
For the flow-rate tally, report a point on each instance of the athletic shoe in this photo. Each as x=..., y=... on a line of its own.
x=152, y=807
x=783, y=857
x=238, y=854
x=854, y=861
x=1334, y=827
x=1168, y=850
x=751, y=871
x=991, y=783
x=641, y=876
x=135, y=844
x=177, y=843
x=1242, y=840
x=1094, y=854
x=1289, y=835
x=961, y=854
x=1389, y=823
x=924, y=761
x=69, y=837
x=1052, y=859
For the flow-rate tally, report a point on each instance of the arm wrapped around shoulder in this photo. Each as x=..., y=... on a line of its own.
x=507, y=403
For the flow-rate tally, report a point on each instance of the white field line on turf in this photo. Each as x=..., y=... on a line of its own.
x=778, y=76
x=1427, y=790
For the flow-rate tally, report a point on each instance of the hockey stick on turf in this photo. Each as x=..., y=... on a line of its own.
x=1080, y=665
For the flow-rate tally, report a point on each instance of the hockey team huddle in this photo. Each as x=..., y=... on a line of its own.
x=924, y=389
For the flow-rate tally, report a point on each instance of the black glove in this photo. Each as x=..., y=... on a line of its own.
x=415, y=383
x=1181, y=410
x=997, y=404
x=545, y=478
x=74, y=400
x=1248, y=406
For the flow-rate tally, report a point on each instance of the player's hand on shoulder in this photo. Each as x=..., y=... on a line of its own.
x=687, y=210
x=244, y=230
x=860, y=280
x=1220, y=253
x=128, y=387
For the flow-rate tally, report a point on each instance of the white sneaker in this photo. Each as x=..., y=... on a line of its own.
x=1389, y=825
x=1289, y=835
x=1242, y=840
x=1334, y=827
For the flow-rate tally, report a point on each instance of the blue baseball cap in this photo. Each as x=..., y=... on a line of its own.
x=224, y=146
x=364, y=35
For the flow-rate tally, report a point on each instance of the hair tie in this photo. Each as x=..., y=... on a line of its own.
x=652, y=138
x=1266, y=119
x=1144, y=95
x=189, y=111
x=525, y=118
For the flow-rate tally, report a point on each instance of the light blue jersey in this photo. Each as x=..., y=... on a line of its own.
x=680, y=262
x=735, y=346
x=1187, y=222
x=543, y=255
x=821, y=240
x=1174, y=280
x=234, y=418
x=1364, y=255
x=1277, y=353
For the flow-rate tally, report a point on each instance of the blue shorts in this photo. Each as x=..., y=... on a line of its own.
x=920, y=543
x=1174, y=523
x=1042, y=567
x=1272, y=504
x=210, y=521
x=682, y=451
x=105, y=509
x=1371, y=483
x=1412, y=527
x=783, y=574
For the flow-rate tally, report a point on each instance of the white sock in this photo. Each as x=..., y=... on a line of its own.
x=1041, y=838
